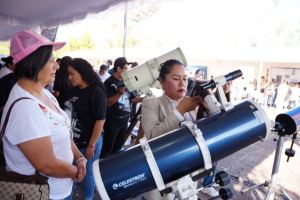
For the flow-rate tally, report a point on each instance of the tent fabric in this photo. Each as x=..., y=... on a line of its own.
x=18, y=15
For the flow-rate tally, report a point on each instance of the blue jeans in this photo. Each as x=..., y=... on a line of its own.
x=239, y=94
x=273, y=97
x=248, y=95
x=265, y=102
x=89, y=181
x=209, y=179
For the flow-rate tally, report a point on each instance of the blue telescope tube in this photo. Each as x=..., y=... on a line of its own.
x=127, y=174
x=290, y=120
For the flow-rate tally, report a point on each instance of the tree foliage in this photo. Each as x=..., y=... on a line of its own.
x=4, y=48
x=116, y=37
x=85, y=43
x=144, y=12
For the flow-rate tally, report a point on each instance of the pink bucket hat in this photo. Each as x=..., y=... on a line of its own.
x=25, y=42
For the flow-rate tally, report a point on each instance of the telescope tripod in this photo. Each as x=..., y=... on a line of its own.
x=137, y=117
x=272, y=185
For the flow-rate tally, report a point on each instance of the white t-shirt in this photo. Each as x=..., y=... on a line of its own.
x=104, y=76
x=4, y=71
x=295, y=94
x=29, y=120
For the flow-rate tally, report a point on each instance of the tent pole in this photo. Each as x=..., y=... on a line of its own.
x=125, y=31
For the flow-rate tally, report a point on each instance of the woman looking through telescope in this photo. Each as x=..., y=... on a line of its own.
x=164, y=114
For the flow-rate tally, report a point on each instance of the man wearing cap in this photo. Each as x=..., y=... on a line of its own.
x=118, y=109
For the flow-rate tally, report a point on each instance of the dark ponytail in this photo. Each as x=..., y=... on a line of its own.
x=166, y=67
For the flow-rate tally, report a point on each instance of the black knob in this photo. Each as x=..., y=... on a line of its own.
x=225, y=193
x=222, y=178
x=289, y=152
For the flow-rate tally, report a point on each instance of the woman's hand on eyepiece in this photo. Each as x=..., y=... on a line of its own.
x=188, y=104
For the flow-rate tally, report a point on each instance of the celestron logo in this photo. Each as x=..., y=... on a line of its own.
x=130, y=182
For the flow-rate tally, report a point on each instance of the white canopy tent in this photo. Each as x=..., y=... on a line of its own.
x=16, y=15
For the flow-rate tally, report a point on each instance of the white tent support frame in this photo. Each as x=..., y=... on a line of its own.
x=125, y=30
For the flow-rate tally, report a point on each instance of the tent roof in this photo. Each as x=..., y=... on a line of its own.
x=284, y=55
x=18, y=15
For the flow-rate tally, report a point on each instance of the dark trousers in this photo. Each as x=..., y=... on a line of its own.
x=114, y=136
x=292, y=104
x=273, y=97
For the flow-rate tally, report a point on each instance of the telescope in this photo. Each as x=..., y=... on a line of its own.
x=286, y=124
x=214, y=106
x=145, y=76
x=154, y=163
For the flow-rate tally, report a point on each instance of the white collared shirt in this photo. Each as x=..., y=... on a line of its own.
x=187, y=116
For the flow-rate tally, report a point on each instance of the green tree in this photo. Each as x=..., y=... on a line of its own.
x=5, y=48
x=86, y=42
x=144, y=12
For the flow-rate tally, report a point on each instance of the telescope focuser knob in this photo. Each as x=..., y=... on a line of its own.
x=222, y=178
x=224, y=193
x=289, y=151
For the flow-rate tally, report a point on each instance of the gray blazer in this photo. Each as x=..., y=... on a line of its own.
x=158, y=117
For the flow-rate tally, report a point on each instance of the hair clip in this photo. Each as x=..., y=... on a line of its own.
x=161, y=64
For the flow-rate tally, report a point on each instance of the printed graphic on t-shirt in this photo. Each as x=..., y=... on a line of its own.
x=124, y=102
x=75, y=126
x=56, y=120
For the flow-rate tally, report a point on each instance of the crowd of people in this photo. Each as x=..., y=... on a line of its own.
x=64, y=110
x=69, y=115
x=283, y=96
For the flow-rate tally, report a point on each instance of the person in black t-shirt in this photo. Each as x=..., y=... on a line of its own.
x=86, y=106
x=6, y=84
x=62, y=84
x=118, y=109
x=133, y=105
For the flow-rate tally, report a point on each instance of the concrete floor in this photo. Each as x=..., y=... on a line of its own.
x=251, y=166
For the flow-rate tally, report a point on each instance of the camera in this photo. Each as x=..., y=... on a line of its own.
x=119, y=85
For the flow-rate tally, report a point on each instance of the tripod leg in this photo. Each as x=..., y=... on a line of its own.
x=270, y=194
x=271, y=191
x=253, y=187
x=286, y=194
x=134, y=121
x=140, y=134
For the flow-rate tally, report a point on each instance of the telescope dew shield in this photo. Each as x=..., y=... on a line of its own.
x=290, y=120
x=127, y=174
x=233, y=75
x=147, y=72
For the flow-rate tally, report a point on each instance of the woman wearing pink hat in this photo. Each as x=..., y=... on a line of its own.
x=38, y=136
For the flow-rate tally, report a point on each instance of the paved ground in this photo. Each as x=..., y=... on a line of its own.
x=251, y=166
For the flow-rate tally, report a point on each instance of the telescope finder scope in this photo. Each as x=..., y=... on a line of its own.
x=228, y=77
x=233, y=75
